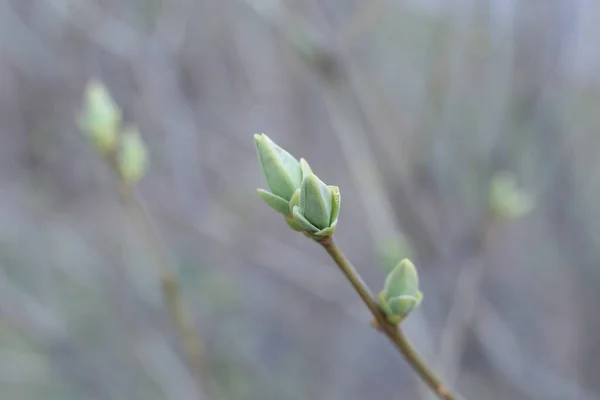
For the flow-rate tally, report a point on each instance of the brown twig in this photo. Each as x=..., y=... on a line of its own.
x=393, y=332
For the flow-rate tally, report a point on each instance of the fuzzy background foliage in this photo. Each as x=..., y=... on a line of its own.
x=410, y=107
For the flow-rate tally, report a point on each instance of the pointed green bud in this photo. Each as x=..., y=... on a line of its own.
x=315, y=201
x=282, y=171
x=336, y=200
x=308, y=204
x=293, y=224
x=400, y=294
x=315, y=207
x=301, y=221
x=306, y=170
x=294, y=201
x=276, y=202
x=100, y=117
x=132, y=156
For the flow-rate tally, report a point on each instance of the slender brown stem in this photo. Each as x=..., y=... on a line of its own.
x=180, y=315
x=393, y=332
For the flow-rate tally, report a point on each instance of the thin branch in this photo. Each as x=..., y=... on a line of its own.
x=502, y=350
x=393, y=332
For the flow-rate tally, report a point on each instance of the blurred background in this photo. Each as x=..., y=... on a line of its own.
x=413, y=108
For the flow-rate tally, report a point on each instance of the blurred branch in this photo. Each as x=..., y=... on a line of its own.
x=365, y=16
x=162, y=365
x=509, y=359
x=125, y=153
x=172, y=22
x=42, y=325
x=294, y=266
x=154, y=62
x=463, y=308
x=103, y=29
x=29, y=52
x=180, y=315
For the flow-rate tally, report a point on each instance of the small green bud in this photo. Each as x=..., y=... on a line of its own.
x=318, y=207
x=315, y=201
x=132, y=156
x=400, y=294
x=282, y=171
x=100, y=118
x=506, y=200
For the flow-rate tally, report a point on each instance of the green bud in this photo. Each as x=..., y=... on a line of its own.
x=277, y=203
x=400, y=294
x=307, y=204
x=294, y=201
x=293, y=224
x=100, y=118
x=282, y=171
x=132, y=157
x=306, y=170
x=315, y=202
x=318, y=207
x=506, y=200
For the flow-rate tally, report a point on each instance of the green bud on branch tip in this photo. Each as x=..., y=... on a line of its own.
x=318, y=207
x=308, y=204
x=282, y=171
x=132, y=156
x=400, y=294
x=100, y=117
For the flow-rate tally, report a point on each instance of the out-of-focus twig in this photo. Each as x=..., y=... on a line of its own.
x=29, y=52
x=154, y=61
x=179, y=313
x=463, y=308
x=510, y=360
x=125, y=154
x=150, y=346
x=48, y=329
x=103, y=29
x=364, y=17
x=172, y=22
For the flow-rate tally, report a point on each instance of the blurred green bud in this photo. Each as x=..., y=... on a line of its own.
x=100, y=118
x=282, y=172
x=318, y=207
x=132, y=156
x=400, y=294
x=506, y=200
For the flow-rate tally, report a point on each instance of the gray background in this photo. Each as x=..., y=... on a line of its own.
x=410, y=107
